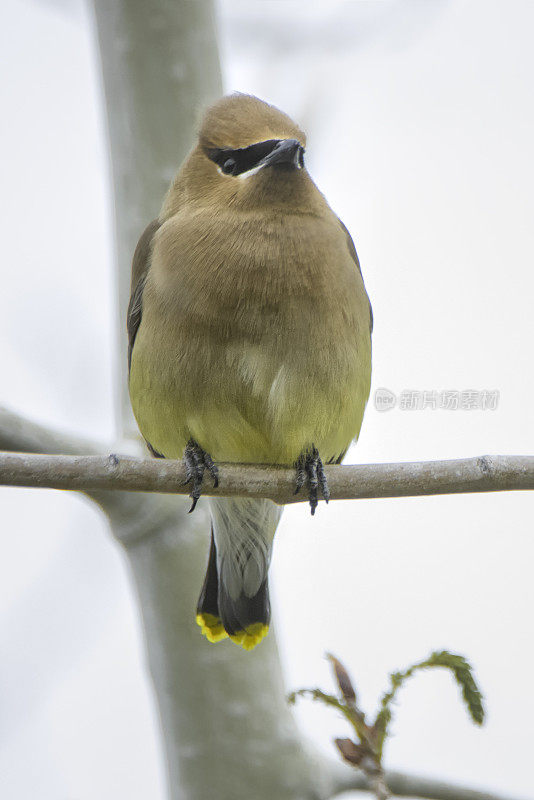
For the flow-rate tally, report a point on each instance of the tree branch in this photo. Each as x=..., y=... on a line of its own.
x=17, y=433
x=89, y=473
x=132, y=516
x=403, y=785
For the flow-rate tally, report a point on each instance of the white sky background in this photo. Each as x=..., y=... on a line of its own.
x=420, y=120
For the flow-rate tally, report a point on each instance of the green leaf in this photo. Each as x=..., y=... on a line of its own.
x=316, y=694
x=463, y=674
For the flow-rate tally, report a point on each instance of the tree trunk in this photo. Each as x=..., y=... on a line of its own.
x=226, y=727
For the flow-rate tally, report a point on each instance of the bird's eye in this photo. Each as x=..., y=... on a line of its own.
x=236, y=161
x=228, y=166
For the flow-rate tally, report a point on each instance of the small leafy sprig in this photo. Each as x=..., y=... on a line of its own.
x=366, y=752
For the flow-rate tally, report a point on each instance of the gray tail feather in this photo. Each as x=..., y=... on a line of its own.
x=242, y=535
x=240, y=614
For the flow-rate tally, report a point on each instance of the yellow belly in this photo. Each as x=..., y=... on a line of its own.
x=248, y=404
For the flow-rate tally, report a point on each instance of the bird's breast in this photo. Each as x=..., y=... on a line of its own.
x=264, y=333
x=255, y=271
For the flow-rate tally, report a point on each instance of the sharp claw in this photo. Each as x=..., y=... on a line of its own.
x=212, y=468
x=214, y=472
x=196, y=461
x=310, y=469
x=193, y=505
x=195, y=493
x=323, y=483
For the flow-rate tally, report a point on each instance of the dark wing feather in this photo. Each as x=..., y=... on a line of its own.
x=354, y=255
x=140, y=267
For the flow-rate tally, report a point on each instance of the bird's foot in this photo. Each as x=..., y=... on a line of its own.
x=310, y=470
x=196, y=461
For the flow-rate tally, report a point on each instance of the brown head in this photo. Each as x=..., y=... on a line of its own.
x=241, y=120
x=248, y=154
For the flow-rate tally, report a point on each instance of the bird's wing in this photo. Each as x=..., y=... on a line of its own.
x=140, y=267
x=354, y=256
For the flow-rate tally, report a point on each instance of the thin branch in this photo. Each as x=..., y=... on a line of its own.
x=404, y=479
x=133, y=517
x=403, y=785
x=19, y=434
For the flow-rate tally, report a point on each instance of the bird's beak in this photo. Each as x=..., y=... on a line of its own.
x=288, y=152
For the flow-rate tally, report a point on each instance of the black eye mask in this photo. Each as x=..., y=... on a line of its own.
x=235, y=162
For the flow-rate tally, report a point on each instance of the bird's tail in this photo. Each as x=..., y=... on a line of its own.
x=234, y=600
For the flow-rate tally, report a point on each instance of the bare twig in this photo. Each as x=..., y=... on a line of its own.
x=17, y=433
x=403, y=785
x=404, y=479
x=364, y=753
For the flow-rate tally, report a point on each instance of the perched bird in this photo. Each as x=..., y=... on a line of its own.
x=249, y=338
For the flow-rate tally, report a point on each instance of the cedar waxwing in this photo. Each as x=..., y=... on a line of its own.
x=249, y=339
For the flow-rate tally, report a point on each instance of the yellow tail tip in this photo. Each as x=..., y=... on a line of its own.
x=250, y=637
x=211, y=627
